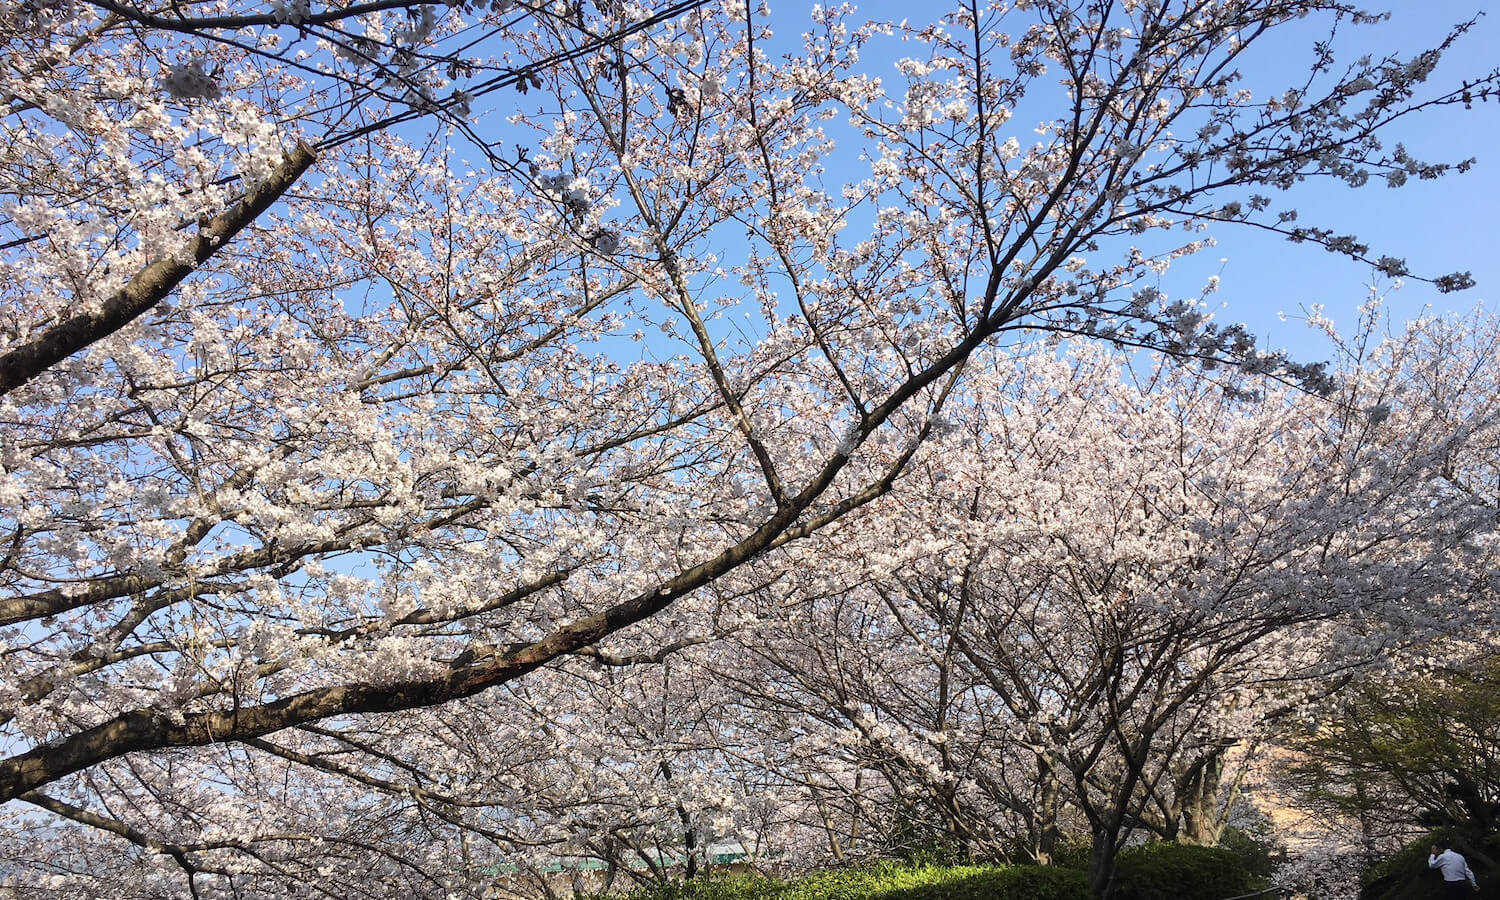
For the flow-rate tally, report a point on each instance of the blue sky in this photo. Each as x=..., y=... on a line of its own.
x=1438, y=226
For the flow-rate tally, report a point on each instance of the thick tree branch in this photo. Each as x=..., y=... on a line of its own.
x=151, y=284
x=149, y=729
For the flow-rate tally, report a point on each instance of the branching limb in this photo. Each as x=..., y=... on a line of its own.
x=151, y=284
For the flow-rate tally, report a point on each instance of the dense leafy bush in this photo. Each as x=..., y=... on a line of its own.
x=1072, y=852
x=891, y=881
x=917, y=842
x=1404, y=875
x=1031, y=883
x=731, y=887
x=887, y=881
x=1257, y=851
x=1182, y=872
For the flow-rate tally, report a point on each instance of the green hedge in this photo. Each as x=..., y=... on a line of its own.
x=1401, y=876
x=887, y=881
x=890, y=881
x=1404, y=875
x=732, y=887
x=1182, y=872
x=1035, y=883
x=1149, y=872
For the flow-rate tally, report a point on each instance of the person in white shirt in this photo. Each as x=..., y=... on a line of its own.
x=1455, y=869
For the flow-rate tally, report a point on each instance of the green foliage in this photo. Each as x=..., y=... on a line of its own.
x=916, y=841
x=1072, y=853
x=729, y=887
x=1182, y=872
x=890, y=881
x=1404, y=875
x=1423, y=751
x=1258, y=853
x=887, y=881
x=1401, y=876
x=1033, y=883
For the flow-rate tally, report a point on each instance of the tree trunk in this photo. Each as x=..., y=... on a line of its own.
x=1199, y=802
x=1102, y=863
x=1044, y=826
x=689, y=834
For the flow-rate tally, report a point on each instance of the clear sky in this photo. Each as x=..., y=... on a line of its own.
x=1441, y=226
x=1450, y=224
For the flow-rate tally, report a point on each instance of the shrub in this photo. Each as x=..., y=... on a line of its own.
x=1404, y=875
x=893, y=882
x=890, y=881
x=1036, y=883
x=920, y=843
x=731, y=887
x=887, y=881
x=1257, y=851
x=1072, y=852
x=1181, y=872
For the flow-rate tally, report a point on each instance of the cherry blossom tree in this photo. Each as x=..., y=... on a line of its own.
x=320, y=78
x=300, y=443
x=1106, y=590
